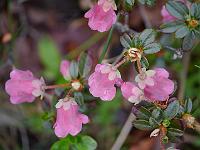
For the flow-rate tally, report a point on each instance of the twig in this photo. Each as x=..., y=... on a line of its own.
x=124, y=132
x=183, y=75
x=103, y=53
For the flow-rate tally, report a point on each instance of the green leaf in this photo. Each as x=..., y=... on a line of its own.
x=144, y=113
x=130, y=2
x=188, y=41
x=172, y=110
x=152, y=48
x=144, y=62
x=142, y=124
x=153, y=122
x=48, y=116
x=195, y=10
x=79, y=142
x=177, y=9
x=157, y=114
x=147, y=36
x=62, y=144
x=148, y=2
x=85, y=64
x=188, y=105
x=171, y=27
x=87, y=143
x=49, y=56
x=73, y=69
x=79, y=98
x=174, y=132
x=182, y=32
x=126, y=41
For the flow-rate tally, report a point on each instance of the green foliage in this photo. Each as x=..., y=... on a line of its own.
x=187, y=27
x=142, y=124
x=172, y=110
x=79, y=98
x=188, y=105
x=144, y=41
x=80, y=142
x=73, y=69
x=177, y=9
x=147, y=2
x=85, y=64
x=49, y=56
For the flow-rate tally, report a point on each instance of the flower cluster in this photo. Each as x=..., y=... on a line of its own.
x=153, y=85
x=102, y=15
x=24, y=87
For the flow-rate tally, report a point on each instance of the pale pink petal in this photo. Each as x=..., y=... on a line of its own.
x=64, y=69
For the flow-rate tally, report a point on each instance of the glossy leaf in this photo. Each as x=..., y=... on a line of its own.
x=142, y=125
x=195, y=10
x=188, y=105
x=144, y=113
x=177, y=9
x=152, y=48
x=188, y=41
x=182, y=32
x=153, y=122
x=79, y=98
x=172, y=110
x=73, y=69
x=171, y=27
x=174, y=132
x=85, y=64
x=125, y=41
x=147, y=36
x=144, y=62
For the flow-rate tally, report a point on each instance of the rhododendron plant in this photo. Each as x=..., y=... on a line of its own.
x=156, y=106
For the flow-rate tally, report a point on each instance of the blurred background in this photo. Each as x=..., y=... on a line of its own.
x=37, y=34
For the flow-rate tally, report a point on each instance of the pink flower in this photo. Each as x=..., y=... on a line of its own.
x=69, y=120
x=132, y=93
x=23, y=87
x=162, y=87
x=101, y=16
x=102, y=81
x=145, y=78
x=64, y=69
x=167, y=17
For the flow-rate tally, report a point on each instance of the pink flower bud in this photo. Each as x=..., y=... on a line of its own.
x=64, y=69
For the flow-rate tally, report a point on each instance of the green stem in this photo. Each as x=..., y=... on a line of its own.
x=103, y=53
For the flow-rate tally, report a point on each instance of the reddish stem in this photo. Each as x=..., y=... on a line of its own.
x=120, y=63
x=56, y=86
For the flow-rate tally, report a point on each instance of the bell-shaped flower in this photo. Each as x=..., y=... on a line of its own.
x=23, y=87
x=69, y=120
x=162, y=87
x=101, y=16
x=102, y=82
x=132, y=93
